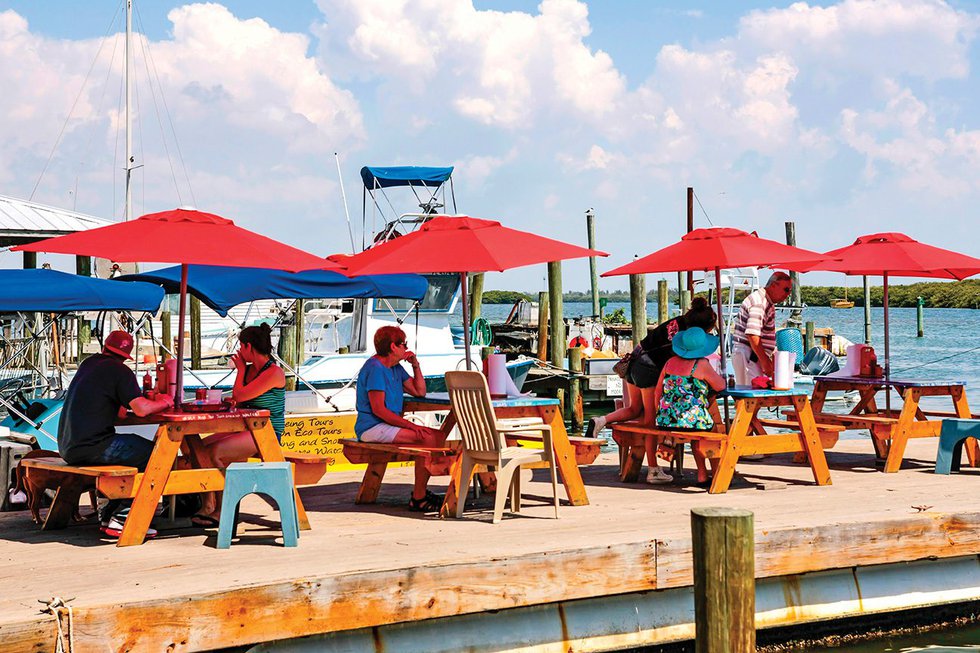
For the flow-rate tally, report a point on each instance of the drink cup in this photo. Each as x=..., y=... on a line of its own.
x=214, y=396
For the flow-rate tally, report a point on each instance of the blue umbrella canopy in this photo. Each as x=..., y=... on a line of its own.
x=222, y=288
x=50, y=291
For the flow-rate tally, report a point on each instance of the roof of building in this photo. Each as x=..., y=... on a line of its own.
x=24, y=221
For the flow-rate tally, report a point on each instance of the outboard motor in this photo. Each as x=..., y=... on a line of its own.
x=819, y=362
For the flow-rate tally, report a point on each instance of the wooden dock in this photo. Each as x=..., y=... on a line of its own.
x=368, y=566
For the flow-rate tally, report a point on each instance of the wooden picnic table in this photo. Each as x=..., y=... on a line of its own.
x=891, y=430
x=545, y=408
x=746, y=436
x=181, y=431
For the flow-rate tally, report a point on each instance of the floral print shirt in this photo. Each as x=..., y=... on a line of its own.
x=684, y=402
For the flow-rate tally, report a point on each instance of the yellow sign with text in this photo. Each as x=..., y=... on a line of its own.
x=320, y=433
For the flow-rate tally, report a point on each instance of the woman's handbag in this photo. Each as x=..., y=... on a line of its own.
x=623, y=365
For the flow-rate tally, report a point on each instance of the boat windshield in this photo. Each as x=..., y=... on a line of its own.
x=438, y=298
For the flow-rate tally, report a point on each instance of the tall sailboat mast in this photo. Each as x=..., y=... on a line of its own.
x=128, y=210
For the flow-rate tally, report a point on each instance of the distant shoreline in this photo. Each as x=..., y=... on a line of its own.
x=935, y=294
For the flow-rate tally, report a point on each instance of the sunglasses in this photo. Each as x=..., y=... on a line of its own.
x=398, y=343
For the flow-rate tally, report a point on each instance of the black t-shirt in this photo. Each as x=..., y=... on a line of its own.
x=101, y=386
x=657, y=344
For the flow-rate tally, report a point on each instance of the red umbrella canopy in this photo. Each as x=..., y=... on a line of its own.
x=717, y=247
x=182, y=236
x=461, y=244
x=897, y=255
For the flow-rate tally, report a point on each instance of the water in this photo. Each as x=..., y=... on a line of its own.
x=949, y=334
x=961, y=639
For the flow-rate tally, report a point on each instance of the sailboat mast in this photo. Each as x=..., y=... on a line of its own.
x=128, y=211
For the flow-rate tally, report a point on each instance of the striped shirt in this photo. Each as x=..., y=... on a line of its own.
x=757, y=317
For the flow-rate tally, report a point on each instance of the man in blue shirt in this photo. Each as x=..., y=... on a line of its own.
x=381, y=385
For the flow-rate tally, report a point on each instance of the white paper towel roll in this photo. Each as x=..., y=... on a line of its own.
x=783, y=370
x=497, y=374
x=852, y=367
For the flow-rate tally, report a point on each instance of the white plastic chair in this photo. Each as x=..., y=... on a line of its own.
x=484, y=442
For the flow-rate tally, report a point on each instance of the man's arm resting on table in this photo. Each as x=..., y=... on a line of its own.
x=141, y=406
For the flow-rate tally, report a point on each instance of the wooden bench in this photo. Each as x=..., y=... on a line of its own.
x=829, y=433
x=120, y=481
x=377, y=456
x=632, y=437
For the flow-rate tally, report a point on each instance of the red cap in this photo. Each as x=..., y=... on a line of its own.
x=119, y=342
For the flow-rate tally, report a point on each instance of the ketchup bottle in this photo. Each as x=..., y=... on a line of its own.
x=147, y=385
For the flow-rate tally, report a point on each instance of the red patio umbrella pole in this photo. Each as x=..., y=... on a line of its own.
x=179, y=390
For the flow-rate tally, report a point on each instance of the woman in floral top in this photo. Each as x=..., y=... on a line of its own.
x=682, y=396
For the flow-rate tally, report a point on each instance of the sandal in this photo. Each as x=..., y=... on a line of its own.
x=205, y=521
x=429, y=503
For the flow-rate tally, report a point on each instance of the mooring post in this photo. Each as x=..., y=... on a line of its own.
x=476, y=296
x=166, y=336
x=867, y=311
x=808, y=339
x=299, y=318
x=543, y=326
x=662, y=301
x=638, y=306
x=919, y=325
x=557, y=325
x=684, y=301
x=724, y=580
x=795, y=315
x=593, y=273
x=575, y=389
x=195, y=333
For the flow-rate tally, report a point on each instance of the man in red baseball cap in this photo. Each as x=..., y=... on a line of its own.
x=101, y=391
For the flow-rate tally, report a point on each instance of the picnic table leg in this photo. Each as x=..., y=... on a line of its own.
x=745, y=410
x=810, y=441
x=151, y=486
x=962, y=408
x=818, y=398
x=271, y=452
x=564, y=456
x=371, y=484
x=900, y=431
x=456, y=487
x=65, y=501
x=633, y=463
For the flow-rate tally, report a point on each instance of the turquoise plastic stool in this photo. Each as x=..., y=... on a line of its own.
x=953, y=434
x=274, y=480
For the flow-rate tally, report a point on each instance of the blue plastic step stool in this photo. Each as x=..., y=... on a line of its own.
x=274, y=480
x=953, y=434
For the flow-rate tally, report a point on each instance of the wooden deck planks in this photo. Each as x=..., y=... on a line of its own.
x=366, y=565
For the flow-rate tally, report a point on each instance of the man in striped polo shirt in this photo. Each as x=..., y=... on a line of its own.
x=755, y=329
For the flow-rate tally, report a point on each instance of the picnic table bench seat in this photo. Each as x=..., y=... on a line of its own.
x=631, y=438
x=121, y=481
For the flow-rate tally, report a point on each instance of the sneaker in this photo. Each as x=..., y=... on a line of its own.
x=596, y=424
x=113, y=525
x=657, y=476
x=754, y=456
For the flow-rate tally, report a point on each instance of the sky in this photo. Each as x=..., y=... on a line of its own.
x=845, y=118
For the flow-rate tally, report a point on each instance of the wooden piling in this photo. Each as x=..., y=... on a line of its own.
x=83, y=266
x=166, y=336
x=593, y=273
x=300, y=334
x=796, y=297
x=662, y=301
x=556, y=324
x=84, y=336
x=30, y=260
x=808, y=338
x=689, y=287
x=575, y=389
x=476, y=296
x=543, y=326
x=867, y=311
x=195, y=333
x=684, y=301
x=724, y=580
x=638, y=307
x=919, y=323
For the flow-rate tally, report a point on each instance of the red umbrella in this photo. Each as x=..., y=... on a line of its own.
x=715, y=248
x=182, y=236
x=461, y=244
x=895, y=254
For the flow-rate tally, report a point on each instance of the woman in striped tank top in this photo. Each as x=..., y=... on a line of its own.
x=260, y=383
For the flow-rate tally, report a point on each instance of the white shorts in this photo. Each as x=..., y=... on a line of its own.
x=383, y=433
